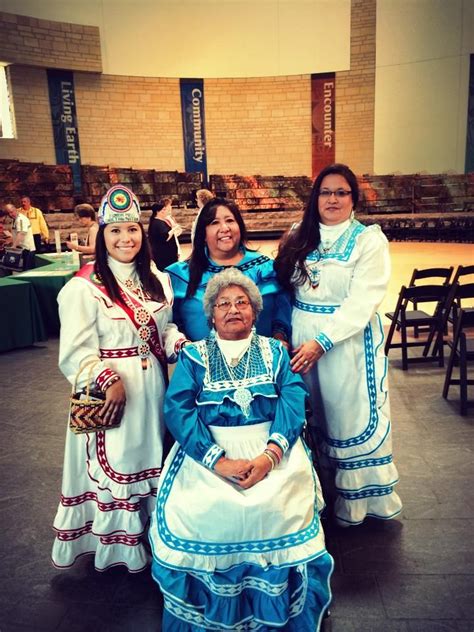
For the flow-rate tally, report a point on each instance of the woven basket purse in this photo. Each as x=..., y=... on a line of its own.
x=85, y=406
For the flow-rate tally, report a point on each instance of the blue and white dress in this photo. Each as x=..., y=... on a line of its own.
x=188, y=313
x=348, y=385
x=227, y=558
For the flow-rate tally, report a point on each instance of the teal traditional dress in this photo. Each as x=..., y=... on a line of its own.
x=226, y=558
x=188, y=313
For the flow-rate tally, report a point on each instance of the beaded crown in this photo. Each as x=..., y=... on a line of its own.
x=119, y=204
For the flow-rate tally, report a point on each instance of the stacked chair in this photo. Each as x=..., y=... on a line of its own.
x=460, y=278
x=405, y=319
x=434, y=276
x=447, y=306
x=462, y=352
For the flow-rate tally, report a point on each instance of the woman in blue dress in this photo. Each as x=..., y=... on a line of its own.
x=236, y=539
x=220, y=242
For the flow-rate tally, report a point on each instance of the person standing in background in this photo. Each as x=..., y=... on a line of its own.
x=176, y=228
x=22, y=235
x=38, y=223
x=203, y=196
x=161, y=235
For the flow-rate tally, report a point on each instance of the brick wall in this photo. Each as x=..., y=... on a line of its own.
x=355, y=92
x=35, y=42
x=34, y=142
x=253, y=125
x=129, y=121
x=259, y=125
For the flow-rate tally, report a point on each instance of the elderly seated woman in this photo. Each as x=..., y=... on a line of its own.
x=236, y=538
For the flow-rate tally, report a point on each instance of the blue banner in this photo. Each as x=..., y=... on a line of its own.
x=194, y=131
x=63, y=116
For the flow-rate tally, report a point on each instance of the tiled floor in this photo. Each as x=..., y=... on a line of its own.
x=414, y=574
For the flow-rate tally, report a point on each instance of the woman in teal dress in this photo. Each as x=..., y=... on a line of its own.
x=220, y=242
x=236, y=539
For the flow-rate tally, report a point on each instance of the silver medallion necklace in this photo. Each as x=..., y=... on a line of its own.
x=242, y=396
x=141, y=315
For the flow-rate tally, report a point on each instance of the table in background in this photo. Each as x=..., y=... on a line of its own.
x=21, y=322
x=50, y=275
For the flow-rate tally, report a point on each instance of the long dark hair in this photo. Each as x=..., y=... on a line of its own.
x=306, y=237
x=198, y=261
x=151, y=285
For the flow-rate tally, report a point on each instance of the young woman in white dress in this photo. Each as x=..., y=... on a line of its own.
x=115, y=320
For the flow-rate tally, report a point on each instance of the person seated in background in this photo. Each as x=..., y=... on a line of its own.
x=38, y=223
x=203, y=196
x=236, y=539
x=86, y=216
x=22, y=235
x=163, y=232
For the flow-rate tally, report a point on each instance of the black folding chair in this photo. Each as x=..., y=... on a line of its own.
x=461, y=272
x=462, y=352
x=404, y=319
x=459, y=277
x=442, y=276
x=457, y=294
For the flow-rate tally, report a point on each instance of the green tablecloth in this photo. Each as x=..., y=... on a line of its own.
x=48, y=281
x=21, y=323
x=61, y=261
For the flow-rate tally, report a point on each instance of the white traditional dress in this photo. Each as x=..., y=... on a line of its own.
x=227, y=558
x=110, y=477
x=348, y=385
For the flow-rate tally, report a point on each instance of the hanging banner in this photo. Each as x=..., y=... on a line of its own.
x=323, y=120
x=194, y=131
x=65, y=130
x=469, y=165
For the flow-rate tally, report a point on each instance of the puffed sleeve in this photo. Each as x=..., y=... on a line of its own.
x=367, y=290
x=290, y=409
x=79, y=338
x=181, y=413
x=173, y=338
x=179, y=282
x=265, y=278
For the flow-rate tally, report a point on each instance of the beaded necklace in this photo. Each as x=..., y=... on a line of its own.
x=141, y=315
x=313, y=259
x=242, y=396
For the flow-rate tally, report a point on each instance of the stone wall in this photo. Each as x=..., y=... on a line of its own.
x=35, y=42
x=355, y=92
x=259, y=125
x=130, y=121
x=253, y=125
x=34, y=140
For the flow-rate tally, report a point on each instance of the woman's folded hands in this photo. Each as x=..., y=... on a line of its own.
x=243, y=472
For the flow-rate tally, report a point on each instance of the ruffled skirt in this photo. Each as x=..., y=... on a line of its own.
x=233, y=559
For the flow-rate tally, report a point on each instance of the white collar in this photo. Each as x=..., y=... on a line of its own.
x=233, y=350
x=123, y=271
x=334, y=231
